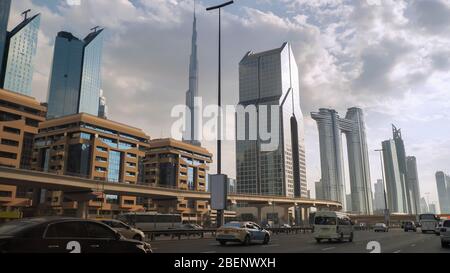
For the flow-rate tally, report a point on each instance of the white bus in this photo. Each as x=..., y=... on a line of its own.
x=428, y=222
x=148, y=221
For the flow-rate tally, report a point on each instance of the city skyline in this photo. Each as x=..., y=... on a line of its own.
x=377, y=131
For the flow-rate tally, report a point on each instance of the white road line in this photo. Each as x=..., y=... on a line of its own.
x=329, y=248
x=209, y=252
x=270, y=246
x=398, y=251
x=413, y=245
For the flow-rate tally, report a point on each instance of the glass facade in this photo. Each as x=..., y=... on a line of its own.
x=91, y=75
x=20, y=57
x=65, y=76
x=79, y=160
x=191, y=178
x=270, y=80
x=76, y=75
x=5, y=6
x=167, y=174
x=114, y=167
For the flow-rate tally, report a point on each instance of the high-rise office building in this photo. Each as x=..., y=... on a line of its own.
x=423, y=205
x=432, y=208
x=102, y=106
x=270, y=80
x=192, y=132
x=319, y=190
x=75, y=81
x=443, y=188
x=348, y=201
x=395, y=185
x=5, y=8
x=379, y=204
x=19, y=53
x=331, y=127
x=413, y=184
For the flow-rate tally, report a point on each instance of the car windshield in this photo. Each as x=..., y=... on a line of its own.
x=15, y=227
x=325, y=221
x=233, y=225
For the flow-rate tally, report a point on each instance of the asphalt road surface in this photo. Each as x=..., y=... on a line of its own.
x=394, y=241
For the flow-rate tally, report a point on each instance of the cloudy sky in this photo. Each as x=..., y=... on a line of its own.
x=389, y=57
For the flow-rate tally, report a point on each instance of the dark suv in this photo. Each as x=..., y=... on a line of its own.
x=65, y=235
x=410, y=226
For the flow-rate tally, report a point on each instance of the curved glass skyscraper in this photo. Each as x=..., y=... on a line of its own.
x=75, y=81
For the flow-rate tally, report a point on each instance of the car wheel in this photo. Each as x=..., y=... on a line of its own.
x=222, y=243
x=444, y=245
x=351, y=238
x=341, y=239
x=247, y=240
x=266, y=240
x=138, y=238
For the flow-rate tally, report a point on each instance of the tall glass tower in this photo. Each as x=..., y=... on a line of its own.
x=18, y=60
x=75, y=80
x=5, y=6
x=192, y=132
x=271, y=79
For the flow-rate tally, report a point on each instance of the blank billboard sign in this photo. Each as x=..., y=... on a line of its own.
x=219, y=191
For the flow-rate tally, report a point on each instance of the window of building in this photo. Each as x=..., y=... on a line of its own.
x=10, y=142
x=101, y=159
x=11, y=130
x=114, y=168
x=128, y=202
x=101, y=149
x=32, y=122
x=27, y=151
x=6, y=194
x=112, y=199
x=8, y=155
x=4, y=116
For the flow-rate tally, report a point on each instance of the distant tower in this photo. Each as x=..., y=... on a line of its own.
x=102, y=106
x=192, y=132
x=18, y=51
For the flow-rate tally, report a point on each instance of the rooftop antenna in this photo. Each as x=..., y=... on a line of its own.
x=94, y=29
x=25, y=14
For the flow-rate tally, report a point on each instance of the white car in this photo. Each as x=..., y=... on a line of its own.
x=286, y=226
x=126, y=230
x=331, y=225
x=445, y=234
x=380, y=227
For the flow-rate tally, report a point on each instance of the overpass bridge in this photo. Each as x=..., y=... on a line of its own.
x=72, y=184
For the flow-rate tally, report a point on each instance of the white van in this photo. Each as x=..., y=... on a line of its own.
x=331, y=225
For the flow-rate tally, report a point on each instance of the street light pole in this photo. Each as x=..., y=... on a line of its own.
x=386, y=209
x=220, y=213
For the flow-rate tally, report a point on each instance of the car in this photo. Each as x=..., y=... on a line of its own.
x=439, y=227
x=242, y=232
x=380, y=227
x=331, y=225
x=410, y=226
x=445, y=234
x=126, y=230
x=65, y=235
x=286, y=226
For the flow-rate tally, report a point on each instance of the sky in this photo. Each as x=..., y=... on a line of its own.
x=389, y=57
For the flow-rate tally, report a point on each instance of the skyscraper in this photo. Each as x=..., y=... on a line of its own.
x=443, y=188
x=423, y=205
x=331, y=127
x=379, y=204
x=192, y=129
x=75, y=80
x=319, y=190
x=270, y=80
x=5, y=7
x=395, y=185
x=413, y=184
x=102, y=106
x=401, y=158
x=19, y=52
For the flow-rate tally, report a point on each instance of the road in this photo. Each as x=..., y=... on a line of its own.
x=395, y=241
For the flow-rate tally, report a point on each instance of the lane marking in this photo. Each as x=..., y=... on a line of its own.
x=271, y=246
x=209, y=252
x=398, y=251
x=413, y=245
x=329, y=248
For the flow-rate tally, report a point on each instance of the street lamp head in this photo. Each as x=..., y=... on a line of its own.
x=220, y=6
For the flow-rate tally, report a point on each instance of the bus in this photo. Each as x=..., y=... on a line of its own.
x=428, y=222
x=148, y=221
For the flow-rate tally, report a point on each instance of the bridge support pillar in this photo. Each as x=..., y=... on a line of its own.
x=82, y=209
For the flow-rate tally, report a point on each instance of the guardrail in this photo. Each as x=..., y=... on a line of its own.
x=178, y=233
